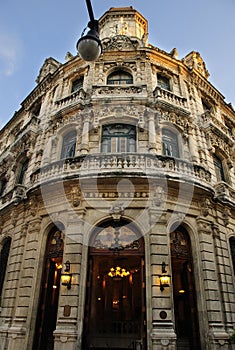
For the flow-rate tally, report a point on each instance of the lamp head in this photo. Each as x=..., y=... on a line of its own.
x=89, y=46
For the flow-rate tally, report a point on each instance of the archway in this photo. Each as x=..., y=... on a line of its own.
x=49, y=293
x=115, y=298
x=185, y=304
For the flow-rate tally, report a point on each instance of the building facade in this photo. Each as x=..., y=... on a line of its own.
x=117, y=202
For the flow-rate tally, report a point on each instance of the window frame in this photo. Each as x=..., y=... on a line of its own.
x=220, y=171
x=173, y=150
x=119, y=141
x=4, y=258
x=77, y=84
x=22, y=172
x=69, y=143
x=232, y=251
x=161, y=82
x=128, y=80
x=3, y=185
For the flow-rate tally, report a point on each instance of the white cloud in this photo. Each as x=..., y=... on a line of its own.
x=10, y=49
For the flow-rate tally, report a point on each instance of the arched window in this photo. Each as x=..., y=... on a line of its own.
x=22, y=173
x=163, y=82
x=170, y=145
x=219, y=169
x=68, y=145
x=120, y=77
x=3, y=261
x=232, y=249
x=117, y=138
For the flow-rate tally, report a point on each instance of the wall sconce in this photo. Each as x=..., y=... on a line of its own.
x=66, y=277
x=164, y=278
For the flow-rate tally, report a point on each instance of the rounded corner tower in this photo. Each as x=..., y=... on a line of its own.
x=123, y=21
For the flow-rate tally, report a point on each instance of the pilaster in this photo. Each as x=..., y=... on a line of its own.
x=162, y=335
x=22, y=322
x=216, y=334
x=68, y=331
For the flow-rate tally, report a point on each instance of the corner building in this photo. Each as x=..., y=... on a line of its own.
x=118, y=175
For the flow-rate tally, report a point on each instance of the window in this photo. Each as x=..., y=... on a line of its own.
x=170, y=145
x=232, y=249
x=3, y=184
x=120, y=77
x=69, y=145
x=23, y=170
x=206, y=106
x=77, y=85
x=219, y=171
x=163, y=82
x=3, y=261
x=118, y=138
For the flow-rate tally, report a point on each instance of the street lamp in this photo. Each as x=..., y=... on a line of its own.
x=89, y=46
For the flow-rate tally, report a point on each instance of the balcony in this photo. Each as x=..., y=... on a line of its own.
x=210, y=123
x=224, y=193
x=171, y=101
x=16, y=195
x=118, y=165
x=77, y=98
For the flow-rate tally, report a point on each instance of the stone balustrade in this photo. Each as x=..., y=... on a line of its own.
x=122, y=164
x=210, y=121
x=162, y=95
x=76, y=97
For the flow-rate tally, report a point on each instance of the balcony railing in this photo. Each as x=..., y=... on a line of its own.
x=224, y=192
x=208, y=120
x=168, y=97
x=134, y=165
x=76, y=97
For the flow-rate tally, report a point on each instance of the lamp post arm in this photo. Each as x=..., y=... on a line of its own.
x=90, y=10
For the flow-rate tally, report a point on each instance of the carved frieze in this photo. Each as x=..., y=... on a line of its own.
x=119, y=90
x=120, y=43
x=173, y=118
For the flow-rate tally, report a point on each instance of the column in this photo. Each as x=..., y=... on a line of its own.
x=192, y=144
x=215, y=334
x=68, y=333
x=22, y=328
x=152, y=132
x=162, y=335
x=225, y=275
x=84, y=148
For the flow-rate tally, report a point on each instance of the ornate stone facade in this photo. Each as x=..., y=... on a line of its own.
x=148, y=145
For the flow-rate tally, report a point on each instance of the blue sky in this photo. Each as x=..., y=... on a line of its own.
x=33, y=30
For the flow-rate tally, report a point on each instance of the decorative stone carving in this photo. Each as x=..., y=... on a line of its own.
x=194, y=61
x=117, y=211
x=120, y=42
x=76, y=196
x=205, y=207
x=226, y=216
x=159, y=196
x=49, y=67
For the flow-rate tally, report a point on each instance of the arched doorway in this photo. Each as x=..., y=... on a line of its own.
x=185, y=304
x=49, y=294
x=115, y=299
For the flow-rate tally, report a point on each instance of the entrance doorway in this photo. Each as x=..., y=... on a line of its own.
x=115, y=300
x=185, y=304
x=49, y=295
